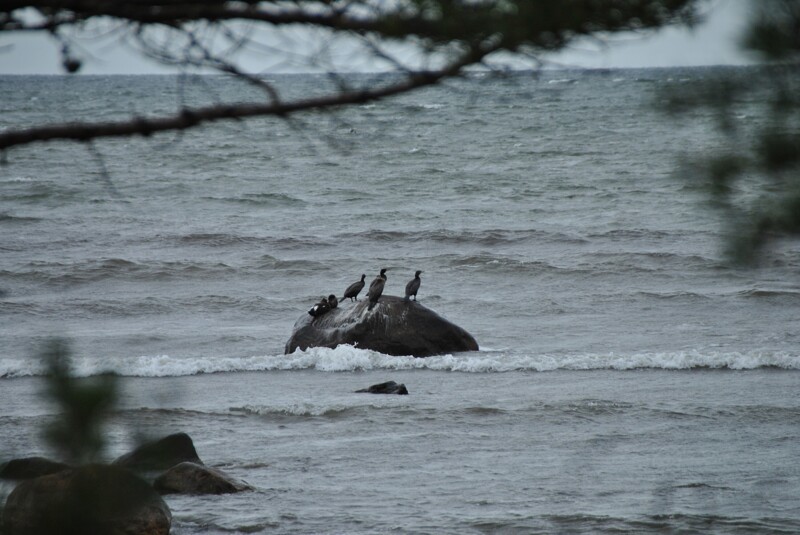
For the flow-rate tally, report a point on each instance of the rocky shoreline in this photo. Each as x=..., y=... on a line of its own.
x=122, y=497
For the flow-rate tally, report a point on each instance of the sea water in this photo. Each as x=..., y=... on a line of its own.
x=628, y=381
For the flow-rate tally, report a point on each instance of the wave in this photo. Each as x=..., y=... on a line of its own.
x=5, y=217
x=693, y=296
x=690, y=296
x=115, y=268
x=224, y=239
x=497, y=262
x=659, y=263
x=261, y=199
x=487, y=237
x=764, y=293
x=34, y=190
x=658, y=523
x=297, y=266
x=306, y=409
x=419, y=108
x=137, y=307
x=349, y=359
x=221, y=239
x=215, y=239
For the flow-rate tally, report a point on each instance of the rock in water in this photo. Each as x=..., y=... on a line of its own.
x=394, y=327
x=191, y=478
x=89, y=499
x=389, y=387
x=160, y=454
x=30, y=467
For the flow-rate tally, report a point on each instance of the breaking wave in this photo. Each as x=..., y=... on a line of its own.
x=349, y=359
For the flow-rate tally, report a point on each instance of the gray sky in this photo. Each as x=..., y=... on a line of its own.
x=716, y=42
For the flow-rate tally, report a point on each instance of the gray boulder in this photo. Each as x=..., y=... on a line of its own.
x=192, y=478
x=88, y=499
x=395, y=326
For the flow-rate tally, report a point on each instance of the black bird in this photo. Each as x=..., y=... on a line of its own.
x=332, y=301
x=380, y=277
x=354, y=289
x=320, y=308
x=413, y=286
x=376, y=288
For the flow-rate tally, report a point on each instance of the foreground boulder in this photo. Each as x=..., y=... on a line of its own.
x=192, y=478
x=389, y=387
x=394, y=326
x=88, y=499
x=160, y=454
x=30, y=467
x=183, y=471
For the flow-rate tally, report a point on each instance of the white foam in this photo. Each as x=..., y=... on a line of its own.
x=306, y=408
x=290, y=409
x=20, y=367
x=348, y=358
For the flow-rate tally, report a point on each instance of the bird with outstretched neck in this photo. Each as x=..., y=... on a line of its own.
x=354, y=289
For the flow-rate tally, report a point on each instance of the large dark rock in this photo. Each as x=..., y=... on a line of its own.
x=394, y=327
x=30, y=467
x=101, y=499
x=160, y=454
x=191, y=478
x=389, y=387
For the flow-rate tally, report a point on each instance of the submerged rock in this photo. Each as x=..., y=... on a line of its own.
x=394, y=326
x=88, y=499
x=160, y=454
x=191, y=478
x=389, y=387
x=30, y=467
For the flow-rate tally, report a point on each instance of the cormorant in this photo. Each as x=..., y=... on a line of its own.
x=332, y=301
x=376, y=288
x=354, y=289
x=320, y=308
x=413, y=286
x=381, y=276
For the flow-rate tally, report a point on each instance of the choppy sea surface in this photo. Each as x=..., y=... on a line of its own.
x=628, y=381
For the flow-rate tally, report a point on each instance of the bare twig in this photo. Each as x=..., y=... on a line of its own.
x=450, y=35
x=191, y=117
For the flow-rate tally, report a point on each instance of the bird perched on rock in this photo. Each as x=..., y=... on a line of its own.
x=413, y=286
x=381, y=275
x=332, y=301
x=354, y=289
x=320, y=308
x=376, y=288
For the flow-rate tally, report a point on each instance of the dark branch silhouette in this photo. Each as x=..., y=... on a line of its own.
x=451, y=34
x=191, y=117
